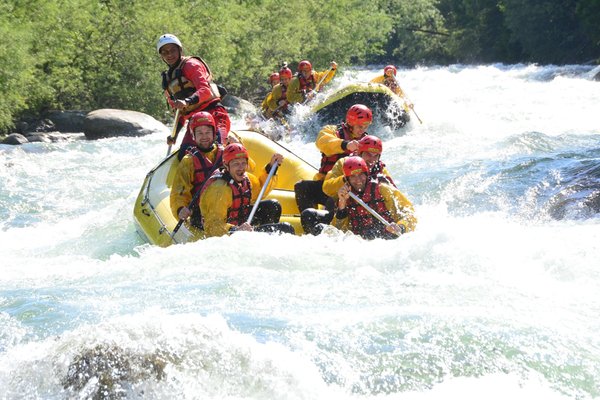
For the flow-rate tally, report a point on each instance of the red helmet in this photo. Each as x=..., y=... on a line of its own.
x=359, y=114
x=285, y=72
x=201, y=118
x=355, y=165
x=233, y=151
x=305, y=65
x=273, y=77
x=388, y=67
x=370, y=144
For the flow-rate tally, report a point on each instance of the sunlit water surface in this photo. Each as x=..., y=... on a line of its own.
x=496, y=295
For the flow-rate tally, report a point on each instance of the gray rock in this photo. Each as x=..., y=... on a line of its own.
x=108, y=122
x=14, y=139
x=238, y=106
x=67, y=121
x=38, y=137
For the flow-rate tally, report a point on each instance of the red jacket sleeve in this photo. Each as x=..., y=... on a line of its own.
x=197, y=73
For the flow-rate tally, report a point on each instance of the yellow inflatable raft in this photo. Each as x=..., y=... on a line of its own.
x=152, y=211
x=385, y=104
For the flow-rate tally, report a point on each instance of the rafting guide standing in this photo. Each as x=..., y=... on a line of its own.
x=188, y=85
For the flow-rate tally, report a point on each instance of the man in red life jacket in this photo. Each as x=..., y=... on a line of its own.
x=334, y=142
x=227, y=198
x=278, y=103
x=369, y=149
x=385, y=199
x=197, y=165
x=304, y=85
x=188, y=85
x=264, y=106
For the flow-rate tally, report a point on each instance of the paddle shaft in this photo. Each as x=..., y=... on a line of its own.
x=369, y=209
x=262, y=192
x=406, y=99
x=174, y=132
x=318, y=85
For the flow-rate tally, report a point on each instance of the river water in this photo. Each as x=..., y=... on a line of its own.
x=496, y=295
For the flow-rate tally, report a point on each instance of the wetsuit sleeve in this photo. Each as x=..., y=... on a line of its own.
x=327, y=141
x=274, y=98
x=334, y=179
x=378, y=79
x=181, y=191
x=196, y=72
x=214, y=203
x=293, y=93
x=328, y=74
x=401, y=209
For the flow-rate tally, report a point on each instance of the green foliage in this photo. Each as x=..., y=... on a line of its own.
x=86, y=54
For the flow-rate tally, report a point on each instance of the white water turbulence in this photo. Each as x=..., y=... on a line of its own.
x=496, y=295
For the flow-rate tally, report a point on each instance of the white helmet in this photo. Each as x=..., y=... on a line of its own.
x=166, y=39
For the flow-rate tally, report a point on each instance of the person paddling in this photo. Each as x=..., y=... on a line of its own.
x=369, y=149
x=197, y=165
x=334, y=142
x=188, y=86
x=384, y=199
x=226, y=199
x=307, y=81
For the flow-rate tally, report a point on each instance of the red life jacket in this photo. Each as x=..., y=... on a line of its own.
x=327, y=162
x=306, y=84
x=203, y=167
x=240, y=208
x=361, y=221
x=179, y=87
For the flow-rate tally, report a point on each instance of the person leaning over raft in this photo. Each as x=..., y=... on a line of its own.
x=385, y=199
x=264, y=106
x=197, y=165
x=369, y=149
x=226, y=199
x=303, y=86
x=334, y=142
x=277, y=102
x=188, y=85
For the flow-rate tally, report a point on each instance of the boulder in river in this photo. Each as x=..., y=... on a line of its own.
x=109, y=122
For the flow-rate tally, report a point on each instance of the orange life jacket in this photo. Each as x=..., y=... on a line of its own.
x=179, y=87
x=362, y=221
x=327, y=162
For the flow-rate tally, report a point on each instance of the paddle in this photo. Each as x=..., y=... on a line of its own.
x=318, y=85
x=174, y=132
x=407, y=100
x=262, y=192
x=369, y=209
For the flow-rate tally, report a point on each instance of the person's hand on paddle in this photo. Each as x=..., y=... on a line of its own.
x=245, y=227
x=343, y=195
x=277, y=158
x=179, y=104
x=170, y=140
x=184, y=213
x=395, y=228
